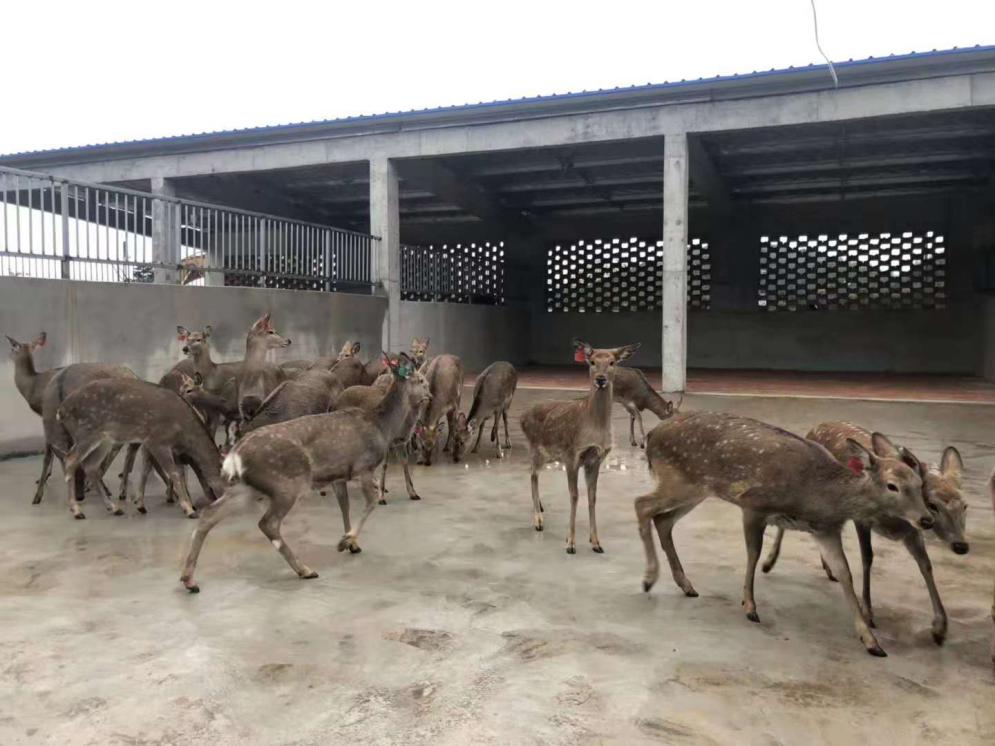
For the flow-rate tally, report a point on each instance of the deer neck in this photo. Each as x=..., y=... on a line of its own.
x=202, y=362
x=255, y=351
x=392, y=411
x=858, y=497
x=598, y=406
x=25, y=375
x=657, y=405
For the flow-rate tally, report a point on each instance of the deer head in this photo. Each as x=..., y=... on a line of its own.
x=263, y=332
x=22, y=351
x=194, y=343
x=601, y=362
x=896, y=477
x=349, y=349
x=942, y=490
x=419, y=350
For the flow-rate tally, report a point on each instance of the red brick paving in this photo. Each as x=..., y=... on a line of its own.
x=888, y=386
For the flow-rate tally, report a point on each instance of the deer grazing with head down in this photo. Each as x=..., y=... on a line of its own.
x=941, y=489
x=107, y=414
x=776, y=478
x=577, y=433
x=444, y=374
x=282, y=463
x=492, y=394
x=257, y=377
x=635, y=394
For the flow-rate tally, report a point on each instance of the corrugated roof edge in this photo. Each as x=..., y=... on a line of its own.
x=525, y=100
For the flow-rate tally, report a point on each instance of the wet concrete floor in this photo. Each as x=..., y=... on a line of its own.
x=460, y=624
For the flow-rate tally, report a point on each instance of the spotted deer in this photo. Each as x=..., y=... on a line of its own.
x=576, y=433
x=635, y=394
x=257, y=377
x=314, y=391
x=942, y=491
x=107, y=414
x=776, y=478
x=492, y=394
x=444, y=374
x=418, y=352
x=282, y=463
x=218, y=379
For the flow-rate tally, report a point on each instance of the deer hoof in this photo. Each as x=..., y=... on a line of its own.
x=877, y=651
x=691, y=593
x=415, y=497
x=571, y=550
x=381, y=501
x=191, y=587
x=598, y=548
x=193, y=514
x=767, y=567
x=142, y=509
x=79, y=516
x=323, y=493
x=309, y=575
x=752, y=616
x=119, y=511
x=36, y=500
x=355, y=549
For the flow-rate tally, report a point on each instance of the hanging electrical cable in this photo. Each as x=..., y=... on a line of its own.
x=815, y=23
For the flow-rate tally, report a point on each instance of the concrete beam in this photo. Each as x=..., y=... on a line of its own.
x=955, y=92
x=451, y=189
x=675, y=259
x=708, y=182
x=385, y=222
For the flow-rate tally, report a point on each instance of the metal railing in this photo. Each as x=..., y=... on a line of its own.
x=60, y=228
x=454, y=273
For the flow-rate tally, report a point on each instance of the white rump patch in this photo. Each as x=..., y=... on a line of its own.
x=232, y=467
x=277, y=543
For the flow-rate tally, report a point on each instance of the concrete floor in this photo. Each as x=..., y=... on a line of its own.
x=459, y=624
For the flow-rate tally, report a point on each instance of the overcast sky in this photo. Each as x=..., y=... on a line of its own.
x=86, y=72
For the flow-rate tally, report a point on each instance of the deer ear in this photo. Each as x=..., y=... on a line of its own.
x=860, y=458
x=883, y=447
x=355, y=348
x=582, y=348
x=40, y=340
x=262, y=322
x=198, y=379
x=461, y=420
x=909, y=459
x=182, y=333
x=624, y=353
x=951, y=464
x=208, y=330
x=14, y=344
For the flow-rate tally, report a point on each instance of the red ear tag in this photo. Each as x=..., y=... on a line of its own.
x=579, y=356
x=856, y=465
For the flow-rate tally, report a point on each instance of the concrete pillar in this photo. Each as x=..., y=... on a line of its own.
x=675, y=260
x=165, y=232
x=385, y=222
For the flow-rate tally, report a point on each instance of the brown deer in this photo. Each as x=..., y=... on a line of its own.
x=941, y=489
x=444, y=374
x=284, y=462
x=635, y=394
x=774, y=477
x=314, y=391
x=107, y=414
x=218, y=379
x=326, y=362
x=257, y=377
x=368, y=398
x=375, y=367
x=576, y=433
x=492, y=394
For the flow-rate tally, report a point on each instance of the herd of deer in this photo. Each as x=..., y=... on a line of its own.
x=305, y=425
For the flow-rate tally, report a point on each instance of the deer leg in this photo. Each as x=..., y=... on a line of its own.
x=591, y=471
x=270, y=525
x=645, y=505
x=129, y=464
x=349, y=541
x=494, y=429
x=480, y=431
x=574, y=498
x=829, y=571
x=408, y=483
x=74, y=472
x=642, y=431
x=536, y=504
x=866, y=560
x=831, y=545
x=382, y=487
x=175, y=474
x=917, y=548
x=632, y=425
x=775, y=551
x=665, y=527
x=450, y=445
x=342, y=496
x=46, y=471
x=753, y=530
x=94, y=465
x=209, y=518
x=507, y=438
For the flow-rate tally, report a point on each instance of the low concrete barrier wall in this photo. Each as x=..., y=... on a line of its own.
x=135, y=325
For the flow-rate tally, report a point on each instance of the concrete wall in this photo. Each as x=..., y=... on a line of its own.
x=136, y=325
x=896, y=341
x=479, y=335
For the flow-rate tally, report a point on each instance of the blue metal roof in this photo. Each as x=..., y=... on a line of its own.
x=525, y=100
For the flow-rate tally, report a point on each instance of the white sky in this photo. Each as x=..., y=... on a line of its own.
x=100, y=71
